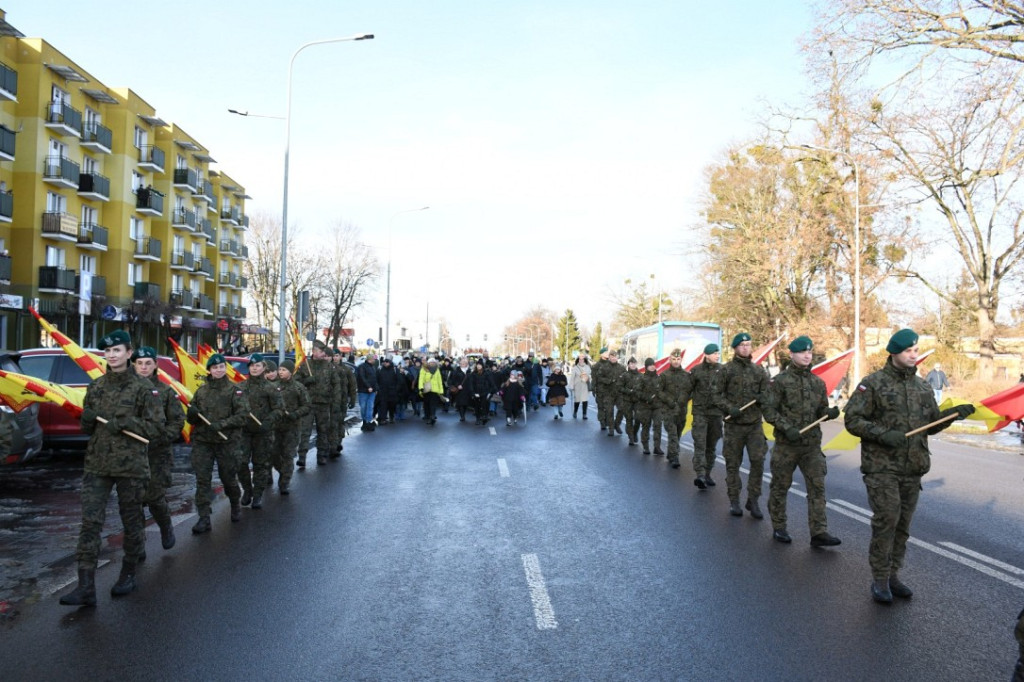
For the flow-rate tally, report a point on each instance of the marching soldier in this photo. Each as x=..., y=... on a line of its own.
x=160, y=452
x=116, y=403
x=629, y=390
x=322, y=383
x=739, y=387
x=796, y=399
x=258, y=436
x=295, y=406
x=345, y=402
x=1018, y=670
x=707, y=418
x=887, y=405
x=606, y=382
x=649, y=408
x=674, y=391
x=218, y=410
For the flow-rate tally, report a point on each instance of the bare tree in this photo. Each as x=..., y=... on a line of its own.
x=348, y=271
x=263, y=267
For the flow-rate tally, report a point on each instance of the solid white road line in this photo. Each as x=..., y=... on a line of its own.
x=543, y=613
x=491, y=429
x=981, y=557
x=852, y=507
x=60, y=583
x=968, y=562
x=503, y=468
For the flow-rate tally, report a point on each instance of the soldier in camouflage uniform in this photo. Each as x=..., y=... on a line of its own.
x=797, y=398
x=161, y=454
x=295, y=406
x=606, y=383
x=116, y=403
x=674, y=388
x=707, y=418
x=886, y=406
x=258, y=438
x=648, y=409
x=223, y=404
x=6, y=435
x=1018, y=632
x=346, y=401
x=323, y=385
x=596, y=370
x=738, y=383
x=629, y=387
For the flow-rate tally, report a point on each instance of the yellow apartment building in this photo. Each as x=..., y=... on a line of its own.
x=110, y=216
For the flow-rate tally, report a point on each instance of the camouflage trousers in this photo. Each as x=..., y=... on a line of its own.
x=95, y=493
x=674, y=421
x=738, y=437
x=632, y=423
x=305, y=431
x=606, y=409
x=324, y=429
x=706, y=432
x=283, y=454
x=811, y=460
x=204, y=455
x=1018, y=632
x=621, y=405
x=260, y=448
x=338, y=414
x=893, y=500
x=244, y=459
x=154, y=496
x=650, y=419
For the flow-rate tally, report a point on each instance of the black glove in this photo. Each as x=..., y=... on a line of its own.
x=735, y=412
x=893, y=439
x=832, y=413
x=216, y=426
x=113, y=425
x=962, y=411
x=89, y=415
x=791, y=433
x=192, y=415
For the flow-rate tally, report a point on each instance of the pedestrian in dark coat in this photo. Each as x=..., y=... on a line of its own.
x=457, y=390
x=513, y=397
x=388, y=380
x=557, y=389
x=480, y=386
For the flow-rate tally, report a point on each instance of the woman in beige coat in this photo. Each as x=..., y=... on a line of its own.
x=579, y=382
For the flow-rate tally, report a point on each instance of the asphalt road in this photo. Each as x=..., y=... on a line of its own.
x=548, y=551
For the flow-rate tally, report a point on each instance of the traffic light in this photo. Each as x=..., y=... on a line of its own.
x=467, y=338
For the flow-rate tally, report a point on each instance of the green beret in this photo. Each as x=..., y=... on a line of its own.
x=710, y=348
x=271, y=365
x=901, y=340
x=255, y=357
x=318, y=344
x=740, y=338
x=144, y=352
x=649, y=362
x=800, y=344
x=115, y=338
x=288, y=365
x=676, y=353
x=604, y=349
x=215, y=359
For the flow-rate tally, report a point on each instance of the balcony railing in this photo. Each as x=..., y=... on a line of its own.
x=91, y=235
x=64, y=118
x=232, y=215
x=151, y=158
x=229, y=246
x=61, y=224
x=145, y=290
x=184, y=217
x=206, y=267
x=209, y=230
x=182, y=259
x=148, y=247
x=204, y=191
x=185, y=178
x=8, y=82
x=56, y=278
x=61, y=170
x=224, y=310
x=243, y=282
x=7, y=143
x=183, y=298
x=94, y=185
x=97, y=138
x=99, y=285
x=5, y=269
x=148, y=200
x=7, y=205
x=204, y=302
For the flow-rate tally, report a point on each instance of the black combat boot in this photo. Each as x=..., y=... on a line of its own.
x=257, y=501
x=734, y=508
x=247, y=497
x=1018, y=671
x=658, y=450
x=829, y=540
x=167, y=538
x=754, y=508
x=125, y=582
x=202, y=525
x=236, y=512
x=85, y=593
x=880, y=591
x=782, y=536
x=899, y=588
x=699, y=482
x=708, y=481
x=301, y=461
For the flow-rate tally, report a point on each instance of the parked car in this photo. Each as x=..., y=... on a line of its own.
x=60, y=429
x=27, y=435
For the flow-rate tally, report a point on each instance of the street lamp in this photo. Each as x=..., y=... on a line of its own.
x=387, y=313
x=856, y=252
x=284, y=202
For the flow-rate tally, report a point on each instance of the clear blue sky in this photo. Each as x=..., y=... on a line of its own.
x=560, y=146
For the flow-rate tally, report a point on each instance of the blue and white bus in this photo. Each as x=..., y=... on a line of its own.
x=660, y=339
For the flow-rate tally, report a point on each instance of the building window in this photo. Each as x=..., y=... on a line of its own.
x=89, y=165
x=177, y=282
x=134, y=274
x=89, y=215
x=140, y=137
x=54, y=257
x=137, y=181
x=87, y=264
x=55, y=203
x=181, y=163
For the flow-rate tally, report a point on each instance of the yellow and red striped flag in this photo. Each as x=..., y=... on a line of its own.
x=300, y=352
x=193, y=374
x=91, y=364
x=205, y=351
x=18, y=390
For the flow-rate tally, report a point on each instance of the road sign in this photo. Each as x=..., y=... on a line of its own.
x=109, y=312
x=370, y=342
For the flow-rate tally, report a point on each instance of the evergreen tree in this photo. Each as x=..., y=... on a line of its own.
x=568, y=337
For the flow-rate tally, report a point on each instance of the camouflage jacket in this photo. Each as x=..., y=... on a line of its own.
x=630, y=385
x=264, y=401
x=134, y=403
x=223, y=403
x=893, y=399
x=295, y=404
x=347, y=386
x=796, y=398
x=174, y=415
x=736, y=384
x=674, y=387
x=648, y=391
x=608, y=379
x=702, y=394
x=320, y=380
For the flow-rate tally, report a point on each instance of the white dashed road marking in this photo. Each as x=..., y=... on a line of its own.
x=543, y=613
x=503, y=468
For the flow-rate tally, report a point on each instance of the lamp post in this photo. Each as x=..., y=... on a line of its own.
x=284, y=202
x=856, y=252
x=387, y=304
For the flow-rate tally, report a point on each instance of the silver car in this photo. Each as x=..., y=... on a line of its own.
x=27, y=435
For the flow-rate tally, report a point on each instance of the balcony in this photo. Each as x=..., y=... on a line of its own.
x=149, y=201
x=209, y=230
x=65, y=305
x=63, y=119
x=56, y=280
x=144, y=291
x=212, y=206
x=92, y=236
x=242, y=253
x=239, y=312
x=224, y=310
x=60, y=226
x=186, y=178
x=182, y=260
x=94, y=186
x=97, y=138
x=7, y=139
x=99, y=285
x=243, y=282
x=245, y=222
x=204, y=192
x=229, y=279
x=229, y=246
x=151, y=158
x=5, y=269
x=61, y=171
x=6, y=206
x=184, y=219
x=147, y=248
x=206, y=267
x=182, y=298
x=204, y=303
x=8, y=83
x=231, y=215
